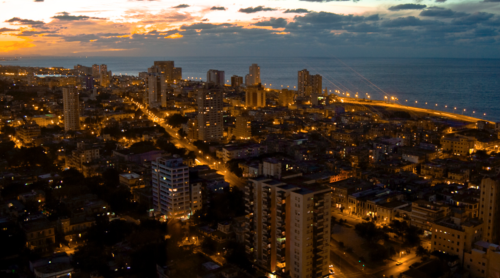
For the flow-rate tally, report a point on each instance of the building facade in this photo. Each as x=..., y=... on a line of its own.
x=71, y=106
x=255, y=96
x=253, y=76
x=154, y=92
x=243, y=128
x=170, y=186
x=286, y=97
x=489, y=210
x=303, y=81
x=210, y=121
x=216, y=77
x=236, y=81
x=287, y=229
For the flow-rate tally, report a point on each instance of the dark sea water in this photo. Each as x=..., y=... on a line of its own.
x=471, y=84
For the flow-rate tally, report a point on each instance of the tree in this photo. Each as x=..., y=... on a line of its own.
x=111, y=177
x=369, y=232
x=232, y=166
x=145, y=259
x=9, y=130
x=72, y=177
x=182, y=133
x=421, y=251
x=176, y=120
x=142, y=147
x=409, y=234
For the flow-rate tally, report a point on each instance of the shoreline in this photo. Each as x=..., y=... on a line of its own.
x=384, y=104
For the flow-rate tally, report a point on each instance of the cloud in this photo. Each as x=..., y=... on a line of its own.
x=3, y=30
x=363, y=28
x=441, y=12
x=38, y=1
x=250, y=10
x=374, y=17
x=273, y=22
x=407, y=7
x=323, y=1
x=67, y=16
x=485, y=32
x=181, y=6
x=19, y=21
x=473, y=19
x=491, y=0
x=409, y=21
x=214, y=8
x=296, y=11
x=440, y=1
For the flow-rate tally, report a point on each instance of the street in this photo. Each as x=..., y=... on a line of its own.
x=201, y=158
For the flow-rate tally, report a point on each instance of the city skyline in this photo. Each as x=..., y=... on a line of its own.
x=181, y=28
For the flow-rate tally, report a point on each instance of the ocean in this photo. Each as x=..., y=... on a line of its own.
x=470, y=84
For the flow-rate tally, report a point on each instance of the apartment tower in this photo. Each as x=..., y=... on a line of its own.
x=255, y=96
x=253, y=76
x=489, y=209
x=170, y=186
x=236, y=81
x=303, y=81
x=210, y=121
x=71, y=107
x=288, y=226
x=154, y=90
x=105, y=75
x=286, y=97
x=216, y=77
x=243, y=128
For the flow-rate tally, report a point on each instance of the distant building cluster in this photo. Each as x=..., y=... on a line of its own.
x=246, y=179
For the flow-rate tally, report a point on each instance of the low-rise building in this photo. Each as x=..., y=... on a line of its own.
x=483, y=260
x=131, y=180
x=454, y=237
x=458, y=145
x=424, y=213
x=28, y=133
x=40, y=235
x=240, y=152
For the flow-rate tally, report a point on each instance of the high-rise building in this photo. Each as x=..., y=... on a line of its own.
x=105, y=76
x=243, y=128
x=255, y=96
x=71, y=107
x=177, y=74
x=316, y=84
x=303, y=81
x=216, y=77
x=95, y=71
x=489, y=209
x=253, y=76
x=154, y=90
x=170, y=186
x=82, y=70
x=286, y=97
x=89, y=82
x=166, y=68
x=309, y=84
x=236, y=81
x=210, y=121
x=288, y=226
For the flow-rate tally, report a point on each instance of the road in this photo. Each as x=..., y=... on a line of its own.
x=410, y=108
x=201, y=158
x=343, y=269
